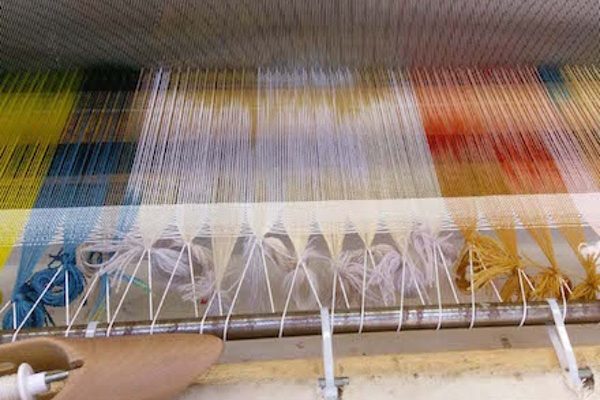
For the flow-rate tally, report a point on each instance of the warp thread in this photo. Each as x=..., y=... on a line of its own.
x=465, y=134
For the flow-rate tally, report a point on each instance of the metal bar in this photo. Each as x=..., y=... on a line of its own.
x=348, y=321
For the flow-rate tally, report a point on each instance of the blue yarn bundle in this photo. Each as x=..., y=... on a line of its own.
x=55, y=296
x=78, y=184
x=27, y=294
x=23, y=301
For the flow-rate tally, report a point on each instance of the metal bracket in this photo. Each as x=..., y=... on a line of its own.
x=578, y=378
x=90, y=330
x=330, y=385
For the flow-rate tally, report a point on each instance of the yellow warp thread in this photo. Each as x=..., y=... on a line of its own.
x=34, y=110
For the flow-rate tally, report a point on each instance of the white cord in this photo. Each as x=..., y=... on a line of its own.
x=82, y=303
x=266, y=272
x=289, y=297
x=207, y=310
x=438, y=291
x=472, y=289
x=5, y=307
x=363, y=294
x=344, y=293
x=492, y=284
x=129, y=283
x=523, y=296
x=237, y=290
x=166, y=291
x=67, y=300
x=448, y=276
x=311, y=284
x=333, y=297
x=192, y=279
x=150, y=294
x=37, y=302
x=401, y=311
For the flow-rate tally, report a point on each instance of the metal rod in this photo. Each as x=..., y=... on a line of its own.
x=56, y=376
x=348, y=321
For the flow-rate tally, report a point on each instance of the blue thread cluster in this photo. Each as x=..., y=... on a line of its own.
x=27, y=294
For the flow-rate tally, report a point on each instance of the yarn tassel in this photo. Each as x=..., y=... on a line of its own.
x=589, y=288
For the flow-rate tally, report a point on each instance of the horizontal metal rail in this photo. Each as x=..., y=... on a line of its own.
x=347, y=321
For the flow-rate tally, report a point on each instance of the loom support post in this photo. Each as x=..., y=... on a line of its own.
x=564, y=350
x=330, y=385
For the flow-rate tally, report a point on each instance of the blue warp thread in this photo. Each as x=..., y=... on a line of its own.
x=80, y=182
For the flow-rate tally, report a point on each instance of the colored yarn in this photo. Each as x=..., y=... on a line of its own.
x=34, y=109
x=23, y=302
x=55, y=296
x=277, y=189
x=589, y=288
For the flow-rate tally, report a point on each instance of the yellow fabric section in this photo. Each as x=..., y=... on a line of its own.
x=34, y=110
